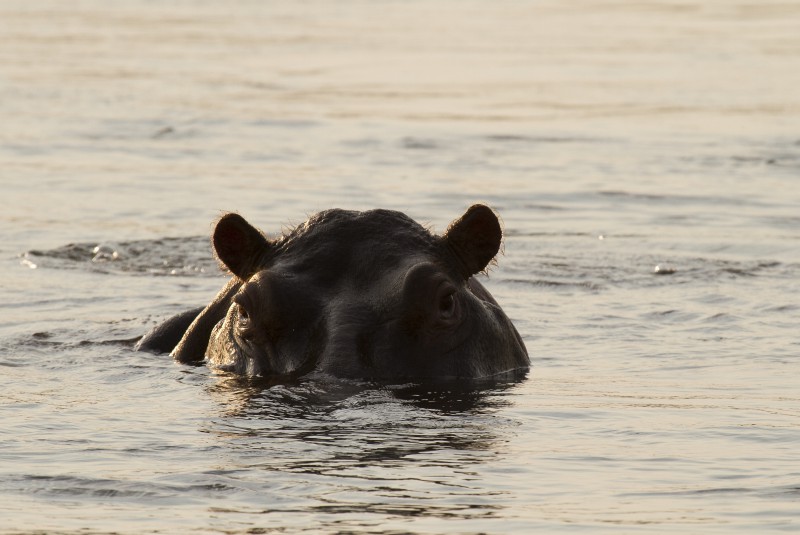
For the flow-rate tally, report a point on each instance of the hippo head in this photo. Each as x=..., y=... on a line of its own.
x=364, y=295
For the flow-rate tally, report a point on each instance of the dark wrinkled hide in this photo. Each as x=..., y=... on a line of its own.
x=352, y=294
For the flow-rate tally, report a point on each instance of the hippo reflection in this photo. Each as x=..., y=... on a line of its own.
x=351, y=294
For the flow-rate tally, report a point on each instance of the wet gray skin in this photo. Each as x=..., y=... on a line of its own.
x=351, y=294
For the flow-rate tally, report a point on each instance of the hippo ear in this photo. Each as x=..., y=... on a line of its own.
x=239, y=245
x=475, y=239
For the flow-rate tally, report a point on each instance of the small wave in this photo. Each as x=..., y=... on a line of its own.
x=705, y=269
x=778, y=160
x=70, y=486
x=696, y=492
x=596, y=273
x=164, y=256
x=543, y=283
x=518, y=138
x=419, y=143
x=671, y=199
x=782, y=308
x=65, y=486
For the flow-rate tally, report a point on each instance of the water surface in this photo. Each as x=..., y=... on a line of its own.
x=644, y=157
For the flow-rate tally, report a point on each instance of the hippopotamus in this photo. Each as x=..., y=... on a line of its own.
x=361, y=295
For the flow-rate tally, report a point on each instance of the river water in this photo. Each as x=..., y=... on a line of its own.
x=644, y=157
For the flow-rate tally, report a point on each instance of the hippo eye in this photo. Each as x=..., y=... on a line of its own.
x=242, y=317
x=447, y=306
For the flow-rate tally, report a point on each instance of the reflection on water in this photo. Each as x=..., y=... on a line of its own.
x=409, y=450
x=254, y=396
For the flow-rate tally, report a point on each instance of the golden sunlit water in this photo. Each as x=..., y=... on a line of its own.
x=644, y=158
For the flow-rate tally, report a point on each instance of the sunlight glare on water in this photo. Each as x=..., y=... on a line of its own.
x=644, y=158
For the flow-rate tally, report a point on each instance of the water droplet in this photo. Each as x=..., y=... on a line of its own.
x=664, y=270
x=105, y=253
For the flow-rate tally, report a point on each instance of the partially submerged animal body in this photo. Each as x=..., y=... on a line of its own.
x=367, y=295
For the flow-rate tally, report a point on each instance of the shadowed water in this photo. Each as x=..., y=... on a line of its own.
x=644, y=158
